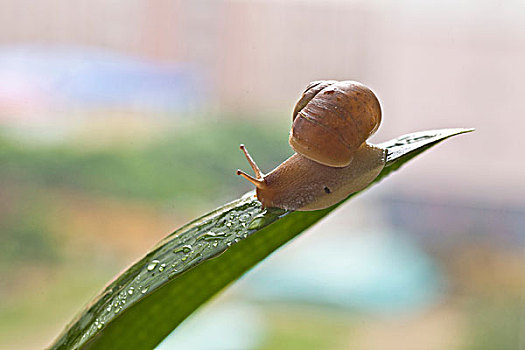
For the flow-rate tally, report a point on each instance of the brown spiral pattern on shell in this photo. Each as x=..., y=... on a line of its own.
x=332, y=120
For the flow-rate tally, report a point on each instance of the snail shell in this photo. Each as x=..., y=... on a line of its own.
x=332, y=120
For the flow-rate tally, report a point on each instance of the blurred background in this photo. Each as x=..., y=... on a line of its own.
x=121, y=120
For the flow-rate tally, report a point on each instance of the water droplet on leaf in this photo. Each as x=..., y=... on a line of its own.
x=152, y=265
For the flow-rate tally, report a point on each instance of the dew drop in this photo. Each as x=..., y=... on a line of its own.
x=144, y=290
x=130, y=290
x=161, y=267
x=152, y=265
x=244, y=217
x=262, y=220
x=212, y=235
x=185, y=249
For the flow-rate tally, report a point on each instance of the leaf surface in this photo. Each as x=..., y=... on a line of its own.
x=151, y=298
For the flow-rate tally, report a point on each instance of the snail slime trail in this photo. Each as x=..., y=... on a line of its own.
x=331, y=123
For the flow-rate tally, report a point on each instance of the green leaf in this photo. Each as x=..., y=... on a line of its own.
x=150, y=299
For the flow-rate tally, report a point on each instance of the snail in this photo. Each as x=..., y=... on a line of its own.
x=331, y=123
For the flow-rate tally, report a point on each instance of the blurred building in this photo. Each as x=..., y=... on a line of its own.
x=260, y=53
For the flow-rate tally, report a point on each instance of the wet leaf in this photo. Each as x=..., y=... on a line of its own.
x=150, y=299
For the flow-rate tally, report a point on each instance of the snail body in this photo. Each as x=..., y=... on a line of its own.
x=332, y=122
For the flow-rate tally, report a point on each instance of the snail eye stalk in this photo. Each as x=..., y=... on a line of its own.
x=259, y=181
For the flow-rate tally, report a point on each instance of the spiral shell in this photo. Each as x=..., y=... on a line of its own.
x=332, y=120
